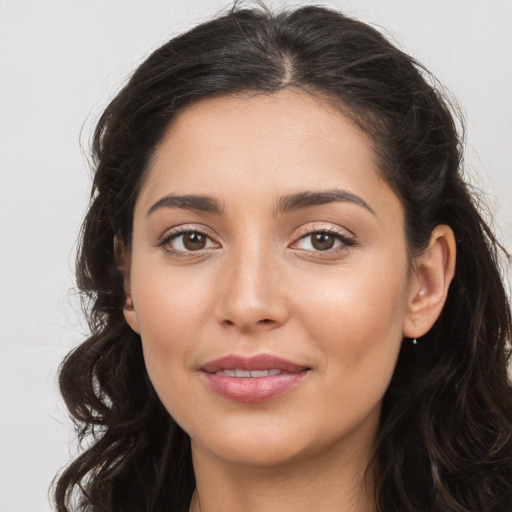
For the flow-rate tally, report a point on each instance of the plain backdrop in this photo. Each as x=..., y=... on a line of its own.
x=60, y=62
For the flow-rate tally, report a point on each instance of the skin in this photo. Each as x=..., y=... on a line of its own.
x=260, y=285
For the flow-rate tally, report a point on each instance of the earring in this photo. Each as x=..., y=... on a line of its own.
x=414, y=341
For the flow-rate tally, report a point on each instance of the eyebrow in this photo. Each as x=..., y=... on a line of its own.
x=201, y=203
x=286, y=204
x=301, y=200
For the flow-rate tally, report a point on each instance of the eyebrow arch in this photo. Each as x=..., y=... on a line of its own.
x=300, y=200
x=201, y=203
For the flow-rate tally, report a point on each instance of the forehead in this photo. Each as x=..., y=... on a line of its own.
x=264, y=144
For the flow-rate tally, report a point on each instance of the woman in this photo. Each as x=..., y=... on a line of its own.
x=294, y=302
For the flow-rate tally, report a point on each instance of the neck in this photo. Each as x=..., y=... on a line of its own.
x=333, y=481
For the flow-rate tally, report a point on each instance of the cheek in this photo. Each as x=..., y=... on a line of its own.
x=169, y=304
x=356, y=320
x=171, y=314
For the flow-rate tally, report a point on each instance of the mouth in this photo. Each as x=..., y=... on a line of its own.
x=252, y=379
x=239, y=373
x=260, y=365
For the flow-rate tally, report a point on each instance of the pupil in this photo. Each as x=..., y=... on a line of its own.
x=194, y=241
x=323, y=241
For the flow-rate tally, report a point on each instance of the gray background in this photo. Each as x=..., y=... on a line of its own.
x=60, y=61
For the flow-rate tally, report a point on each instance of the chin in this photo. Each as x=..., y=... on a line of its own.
x=257, y=452
x=256, y=442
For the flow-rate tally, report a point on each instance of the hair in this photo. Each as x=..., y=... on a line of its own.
x=445, y=435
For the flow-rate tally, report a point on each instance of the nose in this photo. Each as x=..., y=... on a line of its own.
x=252, y=293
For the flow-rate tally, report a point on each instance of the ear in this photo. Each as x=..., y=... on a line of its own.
x=432, y=274
x=123, y=259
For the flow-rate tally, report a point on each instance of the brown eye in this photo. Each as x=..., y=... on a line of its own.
x=187, y=242
x=322, y=241
x=194, y=241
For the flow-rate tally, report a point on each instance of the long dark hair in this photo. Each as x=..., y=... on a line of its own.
x=445, y=440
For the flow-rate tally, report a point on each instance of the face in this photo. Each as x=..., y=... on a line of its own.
x=269, y=279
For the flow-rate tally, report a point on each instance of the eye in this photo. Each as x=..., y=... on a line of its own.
x=187, y=241
x=322, y=241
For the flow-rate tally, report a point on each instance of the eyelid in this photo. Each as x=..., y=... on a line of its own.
x=313, y=227
x=183, y=229
x=346, y=237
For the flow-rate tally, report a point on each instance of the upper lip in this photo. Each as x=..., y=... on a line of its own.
x=256, y=362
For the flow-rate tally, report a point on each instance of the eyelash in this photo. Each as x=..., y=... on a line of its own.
x=169, y=237
x=345, y=241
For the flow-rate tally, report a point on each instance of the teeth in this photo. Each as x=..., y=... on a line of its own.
x=249, y=373
x=259, y=373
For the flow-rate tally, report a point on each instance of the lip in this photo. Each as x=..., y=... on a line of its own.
x=256, y=362
x=252, y=389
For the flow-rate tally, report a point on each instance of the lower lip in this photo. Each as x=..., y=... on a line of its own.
x=252, y=389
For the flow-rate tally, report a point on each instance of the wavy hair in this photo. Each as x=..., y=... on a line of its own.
x=444, y=443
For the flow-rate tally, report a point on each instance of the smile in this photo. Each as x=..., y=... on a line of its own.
x=252, y=379
x=249, y=373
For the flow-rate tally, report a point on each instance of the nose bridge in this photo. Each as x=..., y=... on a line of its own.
x=251, y=292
